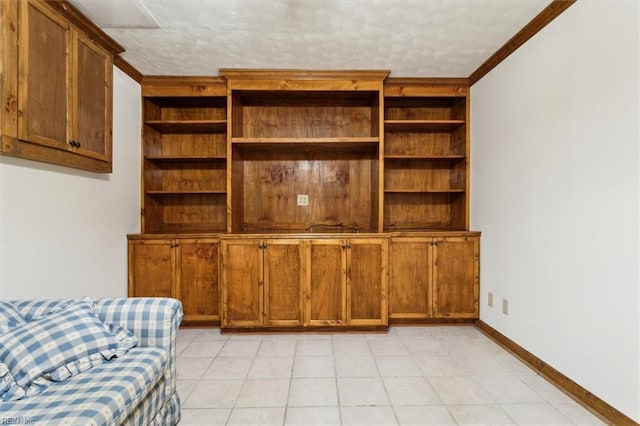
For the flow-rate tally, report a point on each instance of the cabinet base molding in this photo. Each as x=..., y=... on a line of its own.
x=200, y=323
x=429, y=321
x=581, y=395
x=311, y=329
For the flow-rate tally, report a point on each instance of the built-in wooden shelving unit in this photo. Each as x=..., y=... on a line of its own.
x=307, y=199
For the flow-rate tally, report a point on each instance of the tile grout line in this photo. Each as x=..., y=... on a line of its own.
x=570, y=416
x=335, y=380
x=293, y=363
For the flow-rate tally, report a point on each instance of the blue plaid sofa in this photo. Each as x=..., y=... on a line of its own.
x=138, y=388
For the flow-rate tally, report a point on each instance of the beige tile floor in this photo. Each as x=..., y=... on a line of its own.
x=426, y=375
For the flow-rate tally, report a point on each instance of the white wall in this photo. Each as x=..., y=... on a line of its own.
x=63, y=231
x=556, y=193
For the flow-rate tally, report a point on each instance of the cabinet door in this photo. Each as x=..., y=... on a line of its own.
x=456, y=277
x=283, y=277
x=152, y=268
x=367, y=281
x=410, y=269
x=326, y=283
x=44, y=76
x=197, y=279
x=242, y=283
x=92, y=100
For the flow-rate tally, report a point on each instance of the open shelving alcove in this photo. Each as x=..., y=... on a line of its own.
x=323, y=144
x=307, y=199
x=426, y=155
x=184, y=154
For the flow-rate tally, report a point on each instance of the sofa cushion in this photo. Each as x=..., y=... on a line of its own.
x=10, y=316
x=103, y=396
x=42, y=346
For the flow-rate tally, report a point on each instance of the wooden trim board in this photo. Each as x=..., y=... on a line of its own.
x=591, y=402
x=127, y=68
x=547, y=15
x=78, y=19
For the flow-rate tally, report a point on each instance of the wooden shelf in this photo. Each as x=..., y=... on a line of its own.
x=191, y=228
x=422, y=157
x=169, y=158
x=277, y=141
x=423, y=191
x=188, y=126
x=412, y=228
x=418, y=125
x=185, y=192
x=307, y=144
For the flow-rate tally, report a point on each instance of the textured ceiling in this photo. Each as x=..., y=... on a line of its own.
x=412, y=38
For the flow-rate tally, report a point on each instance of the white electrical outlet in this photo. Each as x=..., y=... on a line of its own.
x=303, y=200
x=505, y=306
x=490, y=300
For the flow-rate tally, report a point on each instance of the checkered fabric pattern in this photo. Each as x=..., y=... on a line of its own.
x=155, y=323
x=34, y=309
x=44, y=345
x=102, y=396
x=9, y=317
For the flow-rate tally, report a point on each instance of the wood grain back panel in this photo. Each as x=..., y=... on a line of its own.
x=418, y=108
x=424, y=175
x=304, y=115
x=339, y=186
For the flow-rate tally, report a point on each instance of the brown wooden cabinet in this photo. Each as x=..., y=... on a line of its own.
x=326, y=294
x=434, y=277
x=184, y=268
x=58, y=94
x=300, y=282
x=456, y=276
x=262, y=283
x=347, y=282
x=92, y=104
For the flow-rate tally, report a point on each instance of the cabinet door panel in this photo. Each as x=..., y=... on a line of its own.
x=326, y=304
x=151, y=269
x=197, y=286
x=410, y=264
x=93, y=101
x=44, y=69
x=456, y=277
x=366, y=282
x=283, y=270
x=242, y=284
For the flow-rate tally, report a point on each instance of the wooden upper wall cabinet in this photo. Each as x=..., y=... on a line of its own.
x=57, y=87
